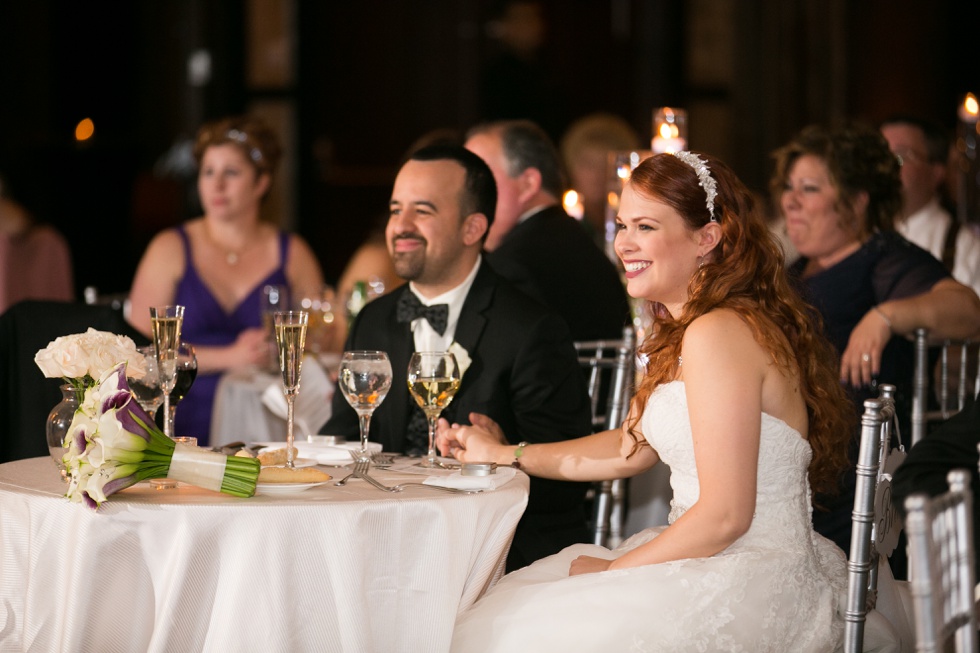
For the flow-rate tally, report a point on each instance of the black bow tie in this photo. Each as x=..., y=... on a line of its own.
x=410, y=308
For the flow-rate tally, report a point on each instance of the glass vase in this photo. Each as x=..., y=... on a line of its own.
x=59, y=421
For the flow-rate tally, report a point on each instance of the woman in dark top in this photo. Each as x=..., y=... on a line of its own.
x=839, y=191
x=216, y=265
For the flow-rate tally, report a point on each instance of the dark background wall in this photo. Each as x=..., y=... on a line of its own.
x=353, y=84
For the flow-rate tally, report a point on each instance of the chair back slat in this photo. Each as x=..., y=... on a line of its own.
x=943, y=574
x=963, y=356
x=610, y=369
x=862, y=563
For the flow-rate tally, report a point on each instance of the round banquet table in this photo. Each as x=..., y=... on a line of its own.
x=329, y=569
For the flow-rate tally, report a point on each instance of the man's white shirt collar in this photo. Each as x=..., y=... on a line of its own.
x=426, y=338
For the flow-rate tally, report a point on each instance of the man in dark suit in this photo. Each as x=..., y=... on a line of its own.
x=522, y=370
x=534, y=244
x=952, y=445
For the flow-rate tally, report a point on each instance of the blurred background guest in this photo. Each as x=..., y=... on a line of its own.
x=840, y=192
x=585, y=150
x=218, y=264
x=923, y=148
x=534, y=244
x=35, y=262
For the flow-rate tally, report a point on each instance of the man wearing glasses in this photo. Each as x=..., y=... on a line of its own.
x=922, y=148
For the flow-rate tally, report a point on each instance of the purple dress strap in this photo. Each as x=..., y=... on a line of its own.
x=206, y=323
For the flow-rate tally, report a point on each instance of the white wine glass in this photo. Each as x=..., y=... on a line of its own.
x=433, y=379
x=147, y=389
x=167, y=322
x=364, y=378
x=290, y=340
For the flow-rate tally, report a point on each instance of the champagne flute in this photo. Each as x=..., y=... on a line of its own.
x=433, y=379
x=290, y=340
x=167, y=322
x=147, y=390
x=364, y=378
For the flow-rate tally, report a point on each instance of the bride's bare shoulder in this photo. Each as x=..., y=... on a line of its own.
x=721, y=333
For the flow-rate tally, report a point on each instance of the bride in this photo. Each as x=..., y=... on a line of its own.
x=741, y=400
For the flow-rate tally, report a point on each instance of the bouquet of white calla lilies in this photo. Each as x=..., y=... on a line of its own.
x=112, y=444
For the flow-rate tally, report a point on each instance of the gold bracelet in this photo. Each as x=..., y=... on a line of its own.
x=883, y=316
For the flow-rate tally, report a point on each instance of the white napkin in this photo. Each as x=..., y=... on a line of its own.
x=312, y=408
x=460, y=482
x=324, y=454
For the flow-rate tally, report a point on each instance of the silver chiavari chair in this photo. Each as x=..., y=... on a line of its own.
x=957, y=379
x=943, y=582
x=876, y=523
x=610, y=371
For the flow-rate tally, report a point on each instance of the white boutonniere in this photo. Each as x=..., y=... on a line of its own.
x=462, y=358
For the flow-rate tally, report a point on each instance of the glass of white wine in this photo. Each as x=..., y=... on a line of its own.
x=167, y=322
x=290, y=341
x=433, y=379
x=364, y=378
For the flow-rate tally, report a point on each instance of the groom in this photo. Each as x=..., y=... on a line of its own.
x=516, y=358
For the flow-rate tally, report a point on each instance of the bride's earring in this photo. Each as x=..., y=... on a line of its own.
x=700, y=262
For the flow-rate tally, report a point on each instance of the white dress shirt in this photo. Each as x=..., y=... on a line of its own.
x=927, y=228
x=426, y=338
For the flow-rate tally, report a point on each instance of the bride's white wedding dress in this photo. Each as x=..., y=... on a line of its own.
x=775, y=589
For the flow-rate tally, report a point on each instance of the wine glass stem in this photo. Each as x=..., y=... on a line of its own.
x=432, y=441
x=168, y=416
x=365, y=424
x=290, y=401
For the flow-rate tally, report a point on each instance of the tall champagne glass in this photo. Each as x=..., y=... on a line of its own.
x=167, y=322
x=290, y=340
x=433, y=379
x=364, y=378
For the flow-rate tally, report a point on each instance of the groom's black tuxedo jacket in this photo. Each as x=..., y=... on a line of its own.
x=524, y=374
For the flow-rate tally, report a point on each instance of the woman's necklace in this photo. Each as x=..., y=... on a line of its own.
x=232, y=256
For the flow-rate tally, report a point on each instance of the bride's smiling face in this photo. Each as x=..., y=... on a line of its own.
x=658, y=250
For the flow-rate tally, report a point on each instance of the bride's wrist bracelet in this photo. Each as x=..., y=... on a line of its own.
x=518, y=452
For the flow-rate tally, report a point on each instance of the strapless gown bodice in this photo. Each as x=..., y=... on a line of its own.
x=775, y=589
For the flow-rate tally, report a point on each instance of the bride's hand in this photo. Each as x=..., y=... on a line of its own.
x=588, y=565
x=481, y=442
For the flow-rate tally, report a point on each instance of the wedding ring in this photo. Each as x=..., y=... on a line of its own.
x=866, y=358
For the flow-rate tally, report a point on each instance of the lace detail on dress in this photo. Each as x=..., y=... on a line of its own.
x=776, y=589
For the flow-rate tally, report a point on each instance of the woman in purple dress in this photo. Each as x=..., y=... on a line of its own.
x=217, y=265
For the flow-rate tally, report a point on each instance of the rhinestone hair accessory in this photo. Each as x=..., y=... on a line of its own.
x=705, y=180
x=241, y=137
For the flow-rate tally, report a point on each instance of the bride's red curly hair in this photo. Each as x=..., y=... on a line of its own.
x=744, y=273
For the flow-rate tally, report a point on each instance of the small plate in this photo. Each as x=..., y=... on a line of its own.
x=297, y=463
x=285, y=488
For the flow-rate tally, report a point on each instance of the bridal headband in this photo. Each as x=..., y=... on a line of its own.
x=706, y=181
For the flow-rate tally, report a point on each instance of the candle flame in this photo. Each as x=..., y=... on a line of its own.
x=84, y=130
x=970, y=104
x=570, y=199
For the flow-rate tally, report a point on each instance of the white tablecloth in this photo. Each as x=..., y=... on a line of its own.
x=330, y=569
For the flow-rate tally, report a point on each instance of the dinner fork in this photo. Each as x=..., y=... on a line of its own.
x=353, y=473
x=360, y=471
